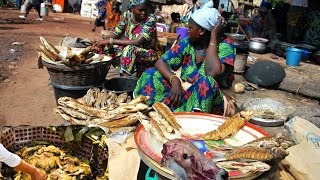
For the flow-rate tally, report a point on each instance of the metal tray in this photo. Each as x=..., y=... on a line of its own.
x=268, y=112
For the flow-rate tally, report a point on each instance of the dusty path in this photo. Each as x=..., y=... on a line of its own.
x=26, y=98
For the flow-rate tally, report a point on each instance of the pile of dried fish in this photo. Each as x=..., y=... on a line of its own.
x=102, y=108
x=53, y=162
x=161, y=123
x=50, y=53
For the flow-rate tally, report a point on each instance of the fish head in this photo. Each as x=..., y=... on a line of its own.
x=184, y=158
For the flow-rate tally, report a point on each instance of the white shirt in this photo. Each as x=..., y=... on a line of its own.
x=9, y=158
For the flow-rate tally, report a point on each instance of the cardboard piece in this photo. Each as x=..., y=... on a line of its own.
x=123, y=160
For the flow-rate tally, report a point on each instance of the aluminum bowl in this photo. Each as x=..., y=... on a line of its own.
x=235, y=37
x=268, y=112
x=257, y=47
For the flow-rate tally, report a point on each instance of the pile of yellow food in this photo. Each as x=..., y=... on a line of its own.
x=53, y=162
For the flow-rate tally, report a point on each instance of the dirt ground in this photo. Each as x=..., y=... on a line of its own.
x=26, y=97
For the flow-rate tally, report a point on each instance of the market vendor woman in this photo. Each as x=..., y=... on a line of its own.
x=206, y=64
x=139, y=43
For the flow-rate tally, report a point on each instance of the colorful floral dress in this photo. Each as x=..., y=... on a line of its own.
x=149, y=51
x=204, y=92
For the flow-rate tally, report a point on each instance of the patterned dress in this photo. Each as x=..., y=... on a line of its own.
x=204, y=93
x=149, y=51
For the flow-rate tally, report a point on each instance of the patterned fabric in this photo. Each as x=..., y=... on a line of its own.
x=112, y=17
x=255, y=27
x=102, y=10
x=133, y=3
x=204, y=92
x=149, y=51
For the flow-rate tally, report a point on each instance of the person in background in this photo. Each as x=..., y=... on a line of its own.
x=113, y=14
x=256, y=25
x=270, y=25
x=221, y=9
x=32, y=4
x=205, y=61
x=13, y=160
x=100, y=20
x=139, y=43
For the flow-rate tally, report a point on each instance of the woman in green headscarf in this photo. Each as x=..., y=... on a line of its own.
x=139, y=42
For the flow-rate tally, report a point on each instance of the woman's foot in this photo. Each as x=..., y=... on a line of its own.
x=93, y=30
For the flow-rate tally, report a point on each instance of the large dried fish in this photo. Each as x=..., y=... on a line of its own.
x=166, y=113
x=48, y=46
x=74, y=104
x=161, y=121
x=51, y=56
x=230, y=127
x=256, y=153
x=144, y=120
x=69, y=118
x=74, y=113
x=127, y=121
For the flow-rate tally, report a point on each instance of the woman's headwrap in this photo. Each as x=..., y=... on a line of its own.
x=206, y=17
x=133, y=3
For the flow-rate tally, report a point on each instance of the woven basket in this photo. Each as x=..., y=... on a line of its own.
x=78, y=75
x=15, y=138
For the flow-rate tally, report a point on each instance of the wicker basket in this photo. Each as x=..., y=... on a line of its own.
x=15, y=138
x=78, y=75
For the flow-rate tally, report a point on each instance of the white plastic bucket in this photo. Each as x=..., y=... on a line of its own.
x=43, y=10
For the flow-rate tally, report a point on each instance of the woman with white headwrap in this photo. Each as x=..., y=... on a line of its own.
x=206, y=63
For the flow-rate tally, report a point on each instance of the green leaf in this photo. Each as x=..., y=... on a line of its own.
x=79, y=135
x=68, y=134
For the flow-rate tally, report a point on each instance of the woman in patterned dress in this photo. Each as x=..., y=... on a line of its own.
x=206, y=64
x=139, y=43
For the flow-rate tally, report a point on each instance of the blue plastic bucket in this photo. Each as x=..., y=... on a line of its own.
x=182, y=31
x=293, y=56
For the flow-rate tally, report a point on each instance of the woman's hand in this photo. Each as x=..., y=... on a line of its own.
x=101, y=43
x=222, y=23
x=176, y=91
x=37, y=175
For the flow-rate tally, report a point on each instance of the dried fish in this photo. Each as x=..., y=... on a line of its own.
x=51, y=56
x=74, y=113
x=162, y=122
x=69, y=118
x=121, y=98
x=166, y=113
x=139, y=99
x=104, y=98
x=247, y=168
x=89, y=98
x=127, y=121
x=256, y=153
x=74, y=104
x=112, y=98
x=48, y=46
x=127, y=129
x=144, y=120
x=230, y=127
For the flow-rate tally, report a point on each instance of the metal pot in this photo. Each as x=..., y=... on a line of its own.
x=257, y=47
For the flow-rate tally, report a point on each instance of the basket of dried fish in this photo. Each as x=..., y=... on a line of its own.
x=73, y=66
x=63, y=152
